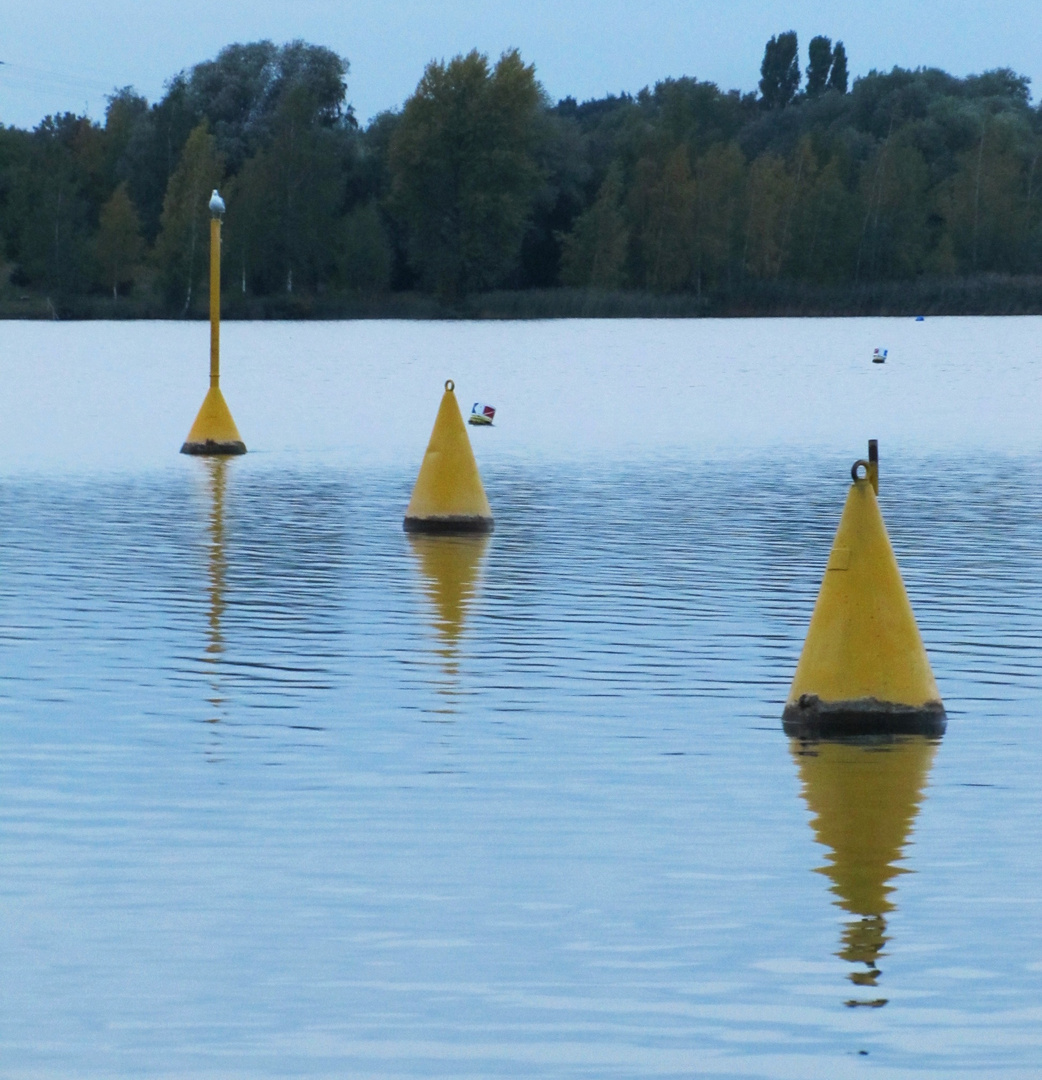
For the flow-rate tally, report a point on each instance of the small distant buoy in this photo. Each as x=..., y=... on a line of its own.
x=920, y=318
x=879, y=356
x=481, y=415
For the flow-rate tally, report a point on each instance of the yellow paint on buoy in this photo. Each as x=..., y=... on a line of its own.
x=214, y=430
x=448, y=496
x=864, y=796
x=863, y=667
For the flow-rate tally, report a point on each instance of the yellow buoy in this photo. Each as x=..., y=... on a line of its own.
x=863, y=668
x=214, y=430
x=864, y=795
x=448, y=496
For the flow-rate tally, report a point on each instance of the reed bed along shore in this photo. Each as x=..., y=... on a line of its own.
x=990, y=294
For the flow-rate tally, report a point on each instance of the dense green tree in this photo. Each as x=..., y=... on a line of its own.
x=125, y=112
x=894, y=195
x=819, y=64
x=780, y=71
x=594, y=252
x=987, y=204
x=286, y=203
x=54, y=188
x=146, y=143
x=464, y=170
x=182, y=249
x=821, y=224
x=770, y=195
x=478, y=183
x=692, y=112
x=720, y=179
x=561, y=197
x=663, y=204
x=364, y=256
x=118, y=245
x=837, y=79
x=240, y=93
x=243, y=92
x=611, y=129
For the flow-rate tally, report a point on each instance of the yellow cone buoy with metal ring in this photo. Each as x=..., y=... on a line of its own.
x=448, y=496
x=863, y=668
x=214, y=430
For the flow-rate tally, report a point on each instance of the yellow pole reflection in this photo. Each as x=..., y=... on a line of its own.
x=450, y=567
x=217, y=567
x=864, y=796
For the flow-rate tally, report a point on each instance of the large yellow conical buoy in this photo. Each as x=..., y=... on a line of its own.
x=448, y=496
x=863, y=668
x=864, y=795
x=214, y=430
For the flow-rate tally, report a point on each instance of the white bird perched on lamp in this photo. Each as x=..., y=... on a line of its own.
x=216, y=203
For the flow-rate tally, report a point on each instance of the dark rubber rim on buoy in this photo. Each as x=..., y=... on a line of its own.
x=449, y=524
x=812, y=718
x=211, y=448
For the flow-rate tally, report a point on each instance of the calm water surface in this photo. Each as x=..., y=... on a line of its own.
x=286, y=792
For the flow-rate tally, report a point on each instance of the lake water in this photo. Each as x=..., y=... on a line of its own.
x=286, y=792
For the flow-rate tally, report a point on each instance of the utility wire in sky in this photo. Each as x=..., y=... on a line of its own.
x=36, y=83
x=34, y=77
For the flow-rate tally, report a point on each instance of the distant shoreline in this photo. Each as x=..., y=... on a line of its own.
x=983, y=295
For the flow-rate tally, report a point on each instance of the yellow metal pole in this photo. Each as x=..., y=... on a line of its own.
x=215, y=301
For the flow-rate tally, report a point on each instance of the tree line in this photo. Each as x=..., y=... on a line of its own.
x=480, y=182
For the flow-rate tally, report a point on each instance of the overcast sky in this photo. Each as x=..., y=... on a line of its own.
x=67, y=54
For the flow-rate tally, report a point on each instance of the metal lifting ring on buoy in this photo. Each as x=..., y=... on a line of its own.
x=858, y=464
x=450, y=385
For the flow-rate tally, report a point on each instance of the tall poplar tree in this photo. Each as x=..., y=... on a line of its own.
x=838, y=73
x=819, y=57
x=780, y=71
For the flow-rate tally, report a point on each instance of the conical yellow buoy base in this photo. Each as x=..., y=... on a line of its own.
x=863, y=668
x=448, y=496
x=214, y=430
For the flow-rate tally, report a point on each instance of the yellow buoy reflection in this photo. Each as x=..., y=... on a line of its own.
x=864, y=796
x=450, y=568
x=217, y=568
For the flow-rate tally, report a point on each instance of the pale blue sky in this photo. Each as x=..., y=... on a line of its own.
x=67, y=54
